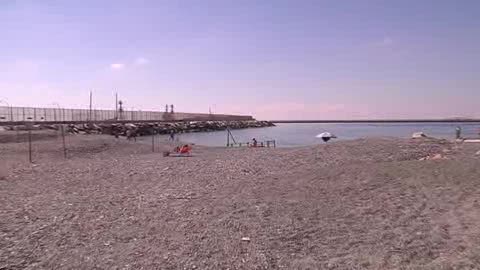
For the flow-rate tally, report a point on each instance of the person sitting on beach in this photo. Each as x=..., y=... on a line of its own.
x=254, y=142
x=185, y=149
x=458, y=132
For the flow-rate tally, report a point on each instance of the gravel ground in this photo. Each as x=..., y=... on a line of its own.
x=363, y=204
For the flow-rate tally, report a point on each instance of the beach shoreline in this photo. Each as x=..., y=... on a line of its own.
x=368, y=203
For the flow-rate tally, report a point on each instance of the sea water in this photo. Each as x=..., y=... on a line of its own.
x=288, y=135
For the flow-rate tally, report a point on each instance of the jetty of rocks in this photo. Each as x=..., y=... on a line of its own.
x=149, y=128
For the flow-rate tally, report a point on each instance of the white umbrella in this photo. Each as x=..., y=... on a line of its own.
x=326, y=136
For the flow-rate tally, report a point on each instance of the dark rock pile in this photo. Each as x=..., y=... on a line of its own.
x=142, y=129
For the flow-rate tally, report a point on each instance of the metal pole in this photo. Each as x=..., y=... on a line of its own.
x=90, y=114
x=30, y=146
x=11, y=113
x=45, y=114
x=116, y=106
x=23, y=110
x=153, y=142
x=228, y=137
x=54, y=114
x=34, y=114
x=63, y=141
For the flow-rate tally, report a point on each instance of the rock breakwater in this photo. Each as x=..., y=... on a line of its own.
x=144, y=129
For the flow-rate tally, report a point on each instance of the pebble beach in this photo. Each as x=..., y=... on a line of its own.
x=379, y=203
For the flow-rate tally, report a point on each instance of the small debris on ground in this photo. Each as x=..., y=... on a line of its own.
x=434, y=157
x=437, y=156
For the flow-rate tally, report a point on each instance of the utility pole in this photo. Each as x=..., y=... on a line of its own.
x=116, y=106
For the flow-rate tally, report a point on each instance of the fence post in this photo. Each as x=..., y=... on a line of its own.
x=153, y=142
x=228, y=137
x=30, y=145
x=63, y=141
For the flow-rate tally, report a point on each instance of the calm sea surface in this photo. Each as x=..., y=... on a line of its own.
x=287, y=135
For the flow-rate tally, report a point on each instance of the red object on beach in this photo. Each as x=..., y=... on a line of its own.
x=185, y=149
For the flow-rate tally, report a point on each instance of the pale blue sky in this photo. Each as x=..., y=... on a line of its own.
x=273, y=59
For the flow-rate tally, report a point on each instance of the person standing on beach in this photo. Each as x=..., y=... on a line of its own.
x=458, y=132
x=172, y=135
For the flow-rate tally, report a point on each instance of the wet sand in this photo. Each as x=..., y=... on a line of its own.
x=363, y=204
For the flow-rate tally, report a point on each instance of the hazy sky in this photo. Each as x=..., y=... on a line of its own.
x=274, y=59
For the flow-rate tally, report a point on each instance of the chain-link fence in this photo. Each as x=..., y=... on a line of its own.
x=29, y=144
x=17, y=114
x=21, y=114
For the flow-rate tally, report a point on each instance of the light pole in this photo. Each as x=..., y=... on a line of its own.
x=211, y=112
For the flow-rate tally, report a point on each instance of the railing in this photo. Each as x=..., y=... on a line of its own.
x=268, y=143
x=231, y=142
